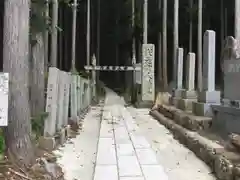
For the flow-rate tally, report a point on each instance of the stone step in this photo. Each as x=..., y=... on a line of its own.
x=185, y=119
x=223, y=162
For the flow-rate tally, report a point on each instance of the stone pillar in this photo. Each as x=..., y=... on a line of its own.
x=74, y=96
x=93, y=83
x=177, y=92
x=179, y=81
x=208, y=95
x=78, y=95
x=51, y=102
x=60, y=102
x=190, y=92
x=189, y=95
x=148, y=79
x=66, y=97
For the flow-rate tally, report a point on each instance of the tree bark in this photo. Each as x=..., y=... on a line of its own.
x=190, y=24
x=54, y=34
x=46, y=38
x=160, y=69
x=164, y=38
x=200, y=78
x=37, y=83
x=16, y=62
x=175, y=41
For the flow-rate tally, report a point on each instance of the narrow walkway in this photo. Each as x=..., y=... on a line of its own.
x=129, y=146
x=123, y=154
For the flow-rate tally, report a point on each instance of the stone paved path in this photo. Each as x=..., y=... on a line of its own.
x=126, y=148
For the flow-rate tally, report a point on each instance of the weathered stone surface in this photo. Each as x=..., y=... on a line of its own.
x=186, y=104
x=189, y=94
x=202, y=109
x=223, y=168
x=73, y=122
x=47, y=143
x=223, y=163
x=185, y=119
x=148, y=82
x=235, y=140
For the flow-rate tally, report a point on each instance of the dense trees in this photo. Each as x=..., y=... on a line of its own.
x=27, y=46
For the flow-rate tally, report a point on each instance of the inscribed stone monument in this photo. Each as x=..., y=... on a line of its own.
x=52, y=102
x=208, y=95
x=189, y=94
x=148, y=81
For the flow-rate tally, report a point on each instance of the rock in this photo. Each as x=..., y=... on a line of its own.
x=50, y=157
x=223, y=168
x=37, y=168
x=73, y=122
x=47, y=143
x=235, y=140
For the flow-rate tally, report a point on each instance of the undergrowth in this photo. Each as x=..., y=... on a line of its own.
x=38, y=124
x=2, y=142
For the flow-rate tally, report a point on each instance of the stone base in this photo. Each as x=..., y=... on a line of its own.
x=50, y=143
x=144, y=104
x=226, y=120
x=189, y=94
x=209, y=97
x=178, y=92
x=47, y=143
x=174, y=101
x=63, y=136
x=231, y=103
x=202, y=109
x=185, y=104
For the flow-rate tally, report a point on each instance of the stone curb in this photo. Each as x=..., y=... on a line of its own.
x=187, y=120
x=223, y=163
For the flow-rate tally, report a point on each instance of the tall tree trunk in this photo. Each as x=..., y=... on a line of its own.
x=54, y=35
x=117, y=39
x=145, y=22
x=160, y=69
x=60, y=37
x=200, y=78
x=175, y=41
x=66, y=40
x=46, y=37
x=98, y=38
x=226, y=22
x=165, y=78
x=222, y=24
x=88, y=31
x=16, y=62
x=74, y=11
x=190, y=24
x=37, y=77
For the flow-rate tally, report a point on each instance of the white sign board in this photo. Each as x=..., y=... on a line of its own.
x=4, y=88
x=148, y=81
